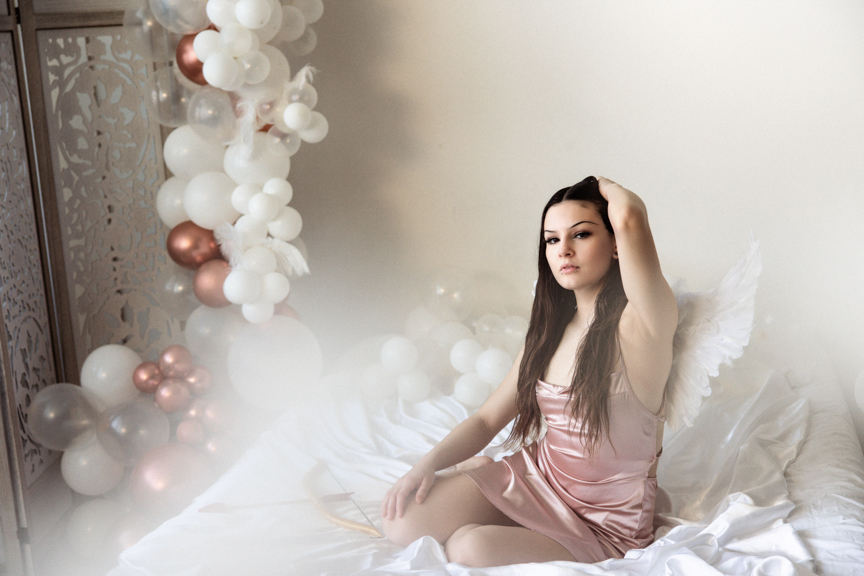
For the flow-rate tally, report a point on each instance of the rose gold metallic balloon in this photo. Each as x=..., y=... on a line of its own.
x=191, y=432
x=217, y=415
x=147, y=377
x=175, y=361
x=196, y=408
x=166, y=479
x=172, y=395
x=208, y=282
x=188, y=62
x=190, y=245
x=199, y=380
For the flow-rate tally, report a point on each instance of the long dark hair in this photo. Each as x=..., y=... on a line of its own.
x=553, y=308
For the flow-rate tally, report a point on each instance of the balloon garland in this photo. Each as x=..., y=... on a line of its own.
x=222, y=81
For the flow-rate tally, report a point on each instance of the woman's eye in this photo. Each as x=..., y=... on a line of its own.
x=551, y=240
x=581, y=235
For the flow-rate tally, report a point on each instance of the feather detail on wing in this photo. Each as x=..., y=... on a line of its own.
x=713, y=327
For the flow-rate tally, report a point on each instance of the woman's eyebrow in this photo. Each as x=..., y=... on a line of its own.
x=573, y=226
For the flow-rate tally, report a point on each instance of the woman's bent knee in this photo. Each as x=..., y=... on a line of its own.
x=402, y=531
x=468, y=546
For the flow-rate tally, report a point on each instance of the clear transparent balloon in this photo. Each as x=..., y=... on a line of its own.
x=212, y=116
x=181, y=16
x=127, y=431
x=289, y=139
x=63, y=416
x=147, y=37
x=451, y=294
x=167, y=96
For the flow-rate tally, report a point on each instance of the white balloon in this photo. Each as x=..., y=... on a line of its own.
x=399, y=355
x=377, y=383
x=186, y=154
x=221, y=12
x=89, y=524
x=487, y=326
x=275, y=287
x=317, y=129
x=256, y=66
x=242, y=286
x=235, y=39
x=169, y=201
x=251, y=230
x=264, y=207
x=493, y=365
x=515, y=327
x=253, y=14
x=206, y=43
x=258, y=312
x=287, y=224
x=414, y=386
x=464, y=354
x=242, y=194
x=471, y=390
x=312, y=9
x=305, y=44
x=297, y=116
x=207, y=200
x=107, y=372
x=269, y=31
x=279, y=188
x=259, y=259
x=265, y=160
x=446, y=334
x=293, y=24
x=419, y=322
x=210, y=331
x=270, y=363
x=90, y=470
x=221, y=70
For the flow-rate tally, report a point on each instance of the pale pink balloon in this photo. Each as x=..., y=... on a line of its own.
x=217, y=416
x=208, y=283
x=220, y=447
x=172, y=395
x=166, y=479
x=175, y=361
x=127, y=531
x=199, y=380
x=147, y=377
x=191, y=432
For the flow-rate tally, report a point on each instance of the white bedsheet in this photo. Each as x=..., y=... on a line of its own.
x=730, y=508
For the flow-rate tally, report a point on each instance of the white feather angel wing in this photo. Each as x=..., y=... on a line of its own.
x=713, y=327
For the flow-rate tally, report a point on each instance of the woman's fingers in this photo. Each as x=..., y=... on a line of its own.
x=423, y=490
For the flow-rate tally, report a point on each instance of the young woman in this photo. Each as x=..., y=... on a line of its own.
x=593, y=369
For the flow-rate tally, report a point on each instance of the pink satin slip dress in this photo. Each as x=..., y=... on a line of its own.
x=596, y=506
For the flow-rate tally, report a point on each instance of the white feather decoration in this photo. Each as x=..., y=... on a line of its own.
x=713, y=327
x=288, y=257
x=230, y=243
x=289, y=260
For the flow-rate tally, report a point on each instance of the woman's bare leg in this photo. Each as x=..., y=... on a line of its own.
x=481, y=546
x=451, y=503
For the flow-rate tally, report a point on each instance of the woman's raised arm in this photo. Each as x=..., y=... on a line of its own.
x=649, y=296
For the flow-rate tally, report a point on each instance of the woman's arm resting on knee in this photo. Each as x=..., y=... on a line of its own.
x=467, y=439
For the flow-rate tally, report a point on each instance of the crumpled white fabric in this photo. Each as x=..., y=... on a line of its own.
x=726, y=510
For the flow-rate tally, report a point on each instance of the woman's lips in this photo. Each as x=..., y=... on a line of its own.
x=568, y=268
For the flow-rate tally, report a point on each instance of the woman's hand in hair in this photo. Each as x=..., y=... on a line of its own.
x=622, y=202
x=420, y=479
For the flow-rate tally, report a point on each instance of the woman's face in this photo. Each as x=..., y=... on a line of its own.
x=579, y=248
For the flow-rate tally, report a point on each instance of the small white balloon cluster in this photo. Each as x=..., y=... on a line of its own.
x=432, y=347
x=256, y=281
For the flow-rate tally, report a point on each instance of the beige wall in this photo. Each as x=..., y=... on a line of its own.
x=453, y=121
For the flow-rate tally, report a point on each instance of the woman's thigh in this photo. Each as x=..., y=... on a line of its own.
x=451, y=503
x=483, y=546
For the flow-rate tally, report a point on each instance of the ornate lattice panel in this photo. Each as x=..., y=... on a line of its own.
x=22, y=291
x=107, y=161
